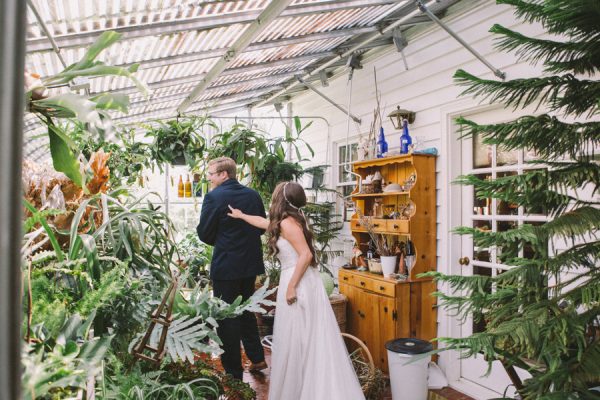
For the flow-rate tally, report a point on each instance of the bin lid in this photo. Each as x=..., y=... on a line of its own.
x=409, y=346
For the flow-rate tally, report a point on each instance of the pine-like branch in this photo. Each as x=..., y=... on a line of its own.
x=532, y=132
x=539, y=188
x=575, y=18
x=574, y=57
x=566, y=92
x=577, y=223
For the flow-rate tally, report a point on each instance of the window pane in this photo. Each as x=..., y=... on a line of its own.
x=482, y=153
x=504, y=208
x=341, y=154
x=505, y=157
x=510, y=250
x=482, y=206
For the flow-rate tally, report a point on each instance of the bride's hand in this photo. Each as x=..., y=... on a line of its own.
x=291, y=295
x=235, y=213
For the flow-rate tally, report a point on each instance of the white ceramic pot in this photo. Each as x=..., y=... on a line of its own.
x=388, y=265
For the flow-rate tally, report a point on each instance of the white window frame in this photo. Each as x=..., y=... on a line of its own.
x=339, y=184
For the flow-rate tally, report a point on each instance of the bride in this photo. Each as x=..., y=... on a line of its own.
x=309, y=359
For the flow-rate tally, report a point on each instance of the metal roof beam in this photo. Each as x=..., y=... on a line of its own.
x=179, y=96
x=249, y=97
x=259, y=80
x=268, y=44
x=354, y=48
x=268, y=15
x=232, y=71
x=170, y=111
x=204, y=22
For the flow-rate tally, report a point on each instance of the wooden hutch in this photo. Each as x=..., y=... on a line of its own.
x=381, y=309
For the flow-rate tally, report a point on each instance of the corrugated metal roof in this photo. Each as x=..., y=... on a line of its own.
x=178, y=41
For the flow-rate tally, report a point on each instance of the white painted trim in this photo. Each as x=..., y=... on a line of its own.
x=449, y=327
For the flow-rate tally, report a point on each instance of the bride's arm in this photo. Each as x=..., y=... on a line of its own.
x=254, y=220
x=292, y=232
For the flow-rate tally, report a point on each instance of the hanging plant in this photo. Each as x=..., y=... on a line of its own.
x=128, y=156
x=91, y=111
x=179, y=141
x=243, y=145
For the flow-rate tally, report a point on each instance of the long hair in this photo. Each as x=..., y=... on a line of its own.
x=287, y=199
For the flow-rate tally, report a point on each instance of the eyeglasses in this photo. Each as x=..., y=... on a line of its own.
x=212, y=173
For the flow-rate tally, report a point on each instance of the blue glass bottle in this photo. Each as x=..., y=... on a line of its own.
x=382, y=146
x=405, y=139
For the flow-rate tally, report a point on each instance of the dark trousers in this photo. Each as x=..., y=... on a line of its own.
x=232, y=330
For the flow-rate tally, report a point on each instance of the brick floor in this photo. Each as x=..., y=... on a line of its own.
x=260, y=383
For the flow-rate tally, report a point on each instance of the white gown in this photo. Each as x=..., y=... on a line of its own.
x=309, y=358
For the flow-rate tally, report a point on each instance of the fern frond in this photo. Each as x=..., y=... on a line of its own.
x=565, y=92
x=573, y=18
x=581, y=57
x=531, y=132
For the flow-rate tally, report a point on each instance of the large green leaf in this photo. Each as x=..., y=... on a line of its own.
x=184, y=336
x=105, y=40
x=38, y=217
x=112, y=101
x=64, y=158
x=69, y=105
x=101, y=69
x=87, y=66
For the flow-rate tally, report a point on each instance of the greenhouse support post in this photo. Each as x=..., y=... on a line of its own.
x=12, y=57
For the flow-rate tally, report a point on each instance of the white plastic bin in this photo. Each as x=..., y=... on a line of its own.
x=408, y=379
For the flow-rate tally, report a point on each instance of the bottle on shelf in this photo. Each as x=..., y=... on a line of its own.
x=180, y=187
x=188, y=187
x=382, y=146
x=409, y=255
x=405, y=139
x=196, y=187
x=204, y=186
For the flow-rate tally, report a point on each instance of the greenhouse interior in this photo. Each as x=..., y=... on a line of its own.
x=300, y=199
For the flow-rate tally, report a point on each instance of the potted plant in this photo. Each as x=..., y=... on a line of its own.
x=194, y=256
x=272, y=274
x=178, y=141
x=386, y=251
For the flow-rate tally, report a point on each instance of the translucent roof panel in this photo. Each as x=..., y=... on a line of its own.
x=178, y=42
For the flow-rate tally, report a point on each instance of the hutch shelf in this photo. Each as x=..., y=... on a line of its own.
x=382, y=309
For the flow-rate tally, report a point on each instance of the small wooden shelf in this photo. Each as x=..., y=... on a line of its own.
x=399, y=159
x=361, y=195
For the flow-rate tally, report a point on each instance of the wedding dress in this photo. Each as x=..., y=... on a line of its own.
x=309, y=357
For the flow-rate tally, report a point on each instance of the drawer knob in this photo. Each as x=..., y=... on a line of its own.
x=345, y=278
x=381, y=288
x=362, y=283
x=376, y=225
x=396, y=227
x=360, y=314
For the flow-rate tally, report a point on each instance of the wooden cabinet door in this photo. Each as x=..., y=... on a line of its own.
x=361, y=315
x=352, y=307
x=386, y=329
x=369, y=321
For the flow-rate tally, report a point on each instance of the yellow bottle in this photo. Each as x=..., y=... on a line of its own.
x=180, y=187
x=188, y=187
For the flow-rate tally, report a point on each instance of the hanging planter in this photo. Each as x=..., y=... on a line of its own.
x=178, y=141
x=179, y=160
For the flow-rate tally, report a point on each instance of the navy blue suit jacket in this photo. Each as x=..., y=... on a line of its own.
x=237, y=246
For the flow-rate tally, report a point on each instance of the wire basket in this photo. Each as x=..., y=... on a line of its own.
x=338, y=304
x=375, y=266
x=371, y=379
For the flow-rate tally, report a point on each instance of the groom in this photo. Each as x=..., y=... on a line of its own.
x=237, y=260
